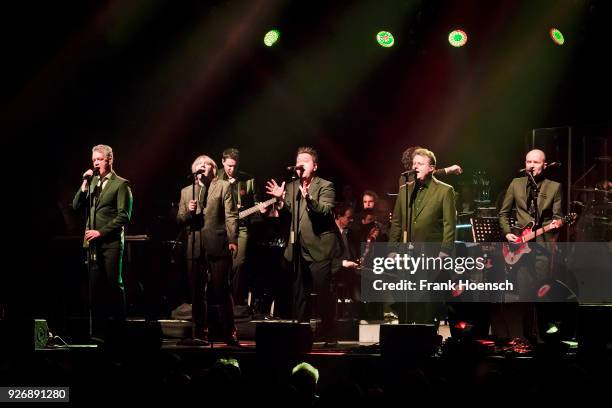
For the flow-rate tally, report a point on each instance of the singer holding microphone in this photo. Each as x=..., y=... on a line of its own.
x=314, y=245
x=108, y=200
x=210, y=217
x=424, y=213
x=539, y=200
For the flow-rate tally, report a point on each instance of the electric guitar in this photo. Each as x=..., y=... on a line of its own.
x=513, y=252
x=252, y=210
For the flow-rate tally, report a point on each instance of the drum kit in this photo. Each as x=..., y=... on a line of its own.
x=594, y=204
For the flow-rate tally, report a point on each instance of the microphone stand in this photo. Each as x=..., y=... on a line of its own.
x=535, y=192
x=194, y=260
x=407, y=233
x=91, y=256
x=294, y=236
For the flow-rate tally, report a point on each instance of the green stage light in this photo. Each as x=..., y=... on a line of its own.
x=557, y=36
x=552, y=329
x=385, y=39
x=271, y=37
x=457, y=38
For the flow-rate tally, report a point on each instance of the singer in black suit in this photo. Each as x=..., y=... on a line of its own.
x=111, y=200
x=317, y=239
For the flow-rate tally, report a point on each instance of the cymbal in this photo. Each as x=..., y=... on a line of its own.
x=592, y=190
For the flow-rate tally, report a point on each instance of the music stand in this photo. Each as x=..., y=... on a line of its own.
x=486, y=229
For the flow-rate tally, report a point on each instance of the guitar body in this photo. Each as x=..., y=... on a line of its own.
x=513, y=252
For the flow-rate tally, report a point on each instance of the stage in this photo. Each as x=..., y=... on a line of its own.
x=141, y=368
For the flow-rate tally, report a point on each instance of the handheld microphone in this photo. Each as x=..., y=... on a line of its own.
x=96, y=172
x=200, y=171
x=295, y=168
x=409, y=172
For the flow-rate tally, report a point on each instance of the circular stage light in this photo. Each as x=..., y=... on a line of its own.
x=557, y=36
x=385, y=39
x=271, y=37
x=457, y=38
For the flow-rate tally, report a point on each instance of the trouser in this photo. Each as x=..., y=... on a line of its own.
x=209, y=281
x=107, y=292
x=314, y=277
x=240, y=278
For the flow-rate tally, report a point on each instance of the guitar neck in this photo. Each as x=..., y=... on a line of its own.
x=536, y=233
x=254, y=209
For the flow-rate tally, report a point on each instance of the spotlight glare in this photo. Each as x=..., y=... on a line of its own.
x=385, y=39
x=557, y=36
x=457, y=38
x=271, y=37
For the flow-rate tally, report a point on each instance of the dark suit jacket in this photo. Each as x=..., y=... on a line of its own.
x=549, y=203
x=316, y=221
x=245, y=184
x=434, y=222
x=219, y=223
x=112, y=210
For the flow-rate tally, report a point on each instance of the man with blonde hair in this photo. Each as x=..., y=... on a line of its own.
x=208, y=213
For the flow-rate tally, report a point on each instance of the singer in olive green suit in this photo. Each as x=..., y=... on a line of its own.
x=534, y=269
x=425, y=213
x=110, y=212
x=244, y=192
x=433, y=213
x=549, y=205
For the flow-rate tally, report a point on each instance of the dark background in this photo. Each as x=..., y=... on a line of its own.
x=164, y=81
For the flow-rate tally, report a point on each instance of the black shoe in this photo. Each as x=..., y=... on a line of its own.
x=97, y=341
x=193, y=342
x=232, y=341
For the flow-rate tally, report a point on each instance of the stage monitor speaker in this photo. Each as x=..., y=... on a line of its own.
x=408, y=340
x=41, y=333
x=594, y=330
x=134, y=336
x=283, y=338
